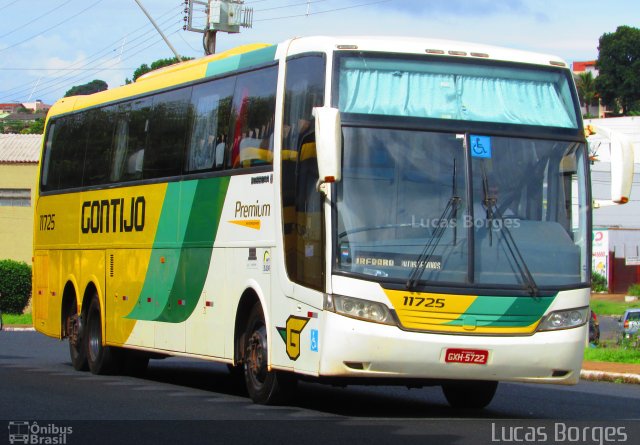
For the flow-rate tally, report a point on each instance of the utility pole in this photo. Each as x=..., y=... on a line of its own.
x=221, y=15
x=153, y=22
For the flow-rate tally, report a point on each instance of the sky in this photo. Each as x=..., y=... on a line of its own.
x=48, y=46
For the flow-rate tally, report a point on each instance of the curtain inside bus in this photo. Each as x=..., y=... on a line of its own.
x=445, y=90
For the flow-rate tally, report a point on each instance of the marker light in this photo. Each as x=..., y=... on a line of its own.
x=565, y=319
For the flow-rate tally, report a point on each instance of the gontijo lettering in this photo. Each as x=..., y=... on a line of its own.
x=113, y=215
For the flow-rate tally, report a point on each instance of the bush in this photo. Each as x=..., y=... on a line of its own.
x=598, y=282
x=634, y=289
x=15, y=286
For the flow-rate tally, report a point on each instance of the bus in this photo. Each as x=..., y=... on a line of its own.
x=349, y=210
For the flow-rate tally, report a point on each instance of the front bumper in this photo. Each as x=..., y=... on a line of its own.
x=354, y=348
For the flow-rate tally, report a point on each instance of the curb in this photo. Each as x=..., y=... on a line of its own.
x=17, y=329
x=602, y=376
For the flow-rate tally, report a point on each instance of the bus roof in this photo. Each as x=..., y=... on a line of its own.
x=417, y=45
x=254, y=54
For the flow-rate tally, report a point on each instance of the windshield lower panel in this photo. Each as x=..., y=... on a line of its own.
x=458, y=209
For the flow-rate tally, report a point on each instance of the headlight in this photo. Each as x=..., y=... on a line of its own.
x=358, y=308
x=565, y=319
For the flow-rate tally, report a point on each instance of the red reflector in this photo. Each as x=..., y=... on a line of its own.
x=312, y=314
x=470, y=356
x=149, y=300
x=125, y=298
x=181, y=302
x=209, y=304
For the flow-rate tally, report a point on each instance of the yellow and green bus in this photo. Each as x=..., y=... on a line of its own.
x=337, y=209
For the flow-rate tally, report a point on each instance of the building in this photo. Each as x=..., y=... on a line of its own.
x=616, y=237
x=37, y=107
x=10, y=107
x=19, y=156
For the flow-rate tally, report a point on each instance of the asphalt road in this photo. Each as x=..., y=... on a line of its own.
x=198, y=402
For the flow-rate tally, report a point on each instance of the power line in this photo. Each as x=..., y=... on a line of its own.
x=58, y=69
x=52, y=27
x=85, y=64
x=324, y=12
x=305, y=3
x=9, y=4
x=35, y=20
x=81, y=77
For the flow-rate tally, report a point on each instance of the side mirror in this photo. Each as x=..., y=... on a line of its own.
x=622, y=159
x=328, y=143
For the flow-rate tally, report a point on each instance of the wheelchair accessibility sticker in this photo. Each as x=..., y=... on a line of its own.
x=480, y=146
x=314, y=340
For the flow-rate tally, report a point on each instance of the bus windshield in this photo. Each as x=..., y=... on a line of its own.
x=427, y=88
x=455, y=208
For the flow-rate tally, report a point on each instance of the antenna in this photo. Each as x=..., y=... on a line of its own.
x=221, y=15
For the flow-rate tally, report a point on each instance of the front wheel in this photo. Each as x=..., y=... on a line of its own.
x=264, y=386
x=102, y=359
x=469, y=394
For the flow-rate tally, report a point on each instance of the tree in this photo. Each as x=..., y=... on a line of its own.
x=586, y=89
x=94, y=86
x=160, y=63
x=619, y=68
x=36, y=127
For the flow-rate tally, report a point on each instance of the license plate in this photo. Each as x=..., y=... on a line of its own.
x=471, y=356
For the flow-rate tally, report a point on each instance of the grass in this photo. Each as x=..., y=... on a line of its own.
x=606, y=307
x=611, y=353
x=13, y=319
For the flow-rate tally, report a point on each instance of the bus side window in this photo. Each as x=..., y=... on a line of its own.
x=252, y=119
x=100, y=123
x=211, y=106
x=66, y=158
x=167, y=134
x=302, y=204
x=130, y=141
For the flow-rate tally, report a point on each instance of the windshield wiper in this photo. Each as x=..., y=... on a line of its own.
x=450, y=210
x=490, y=204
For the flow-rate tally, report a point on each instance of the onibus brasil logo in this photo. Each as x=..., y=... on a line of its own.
x=33, y=433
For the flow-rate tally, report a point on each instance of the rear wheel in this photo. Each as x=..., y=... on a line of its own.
x=102, y=359
x=264, y=386
x=469, y=394
x=77, y=349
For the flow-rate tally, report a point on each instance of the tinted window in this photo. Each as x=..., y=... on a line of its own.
x=252, y=119
x=101, y=124
x=211, y=107
x=65, y=154
x=168, y=132
x=302, y=204
x=130, y=142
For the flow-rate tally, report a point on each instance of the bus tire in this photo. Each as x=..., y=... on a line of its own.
x=77, y=349
x=102, y=359
x=469, y=394
x=264, y=387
